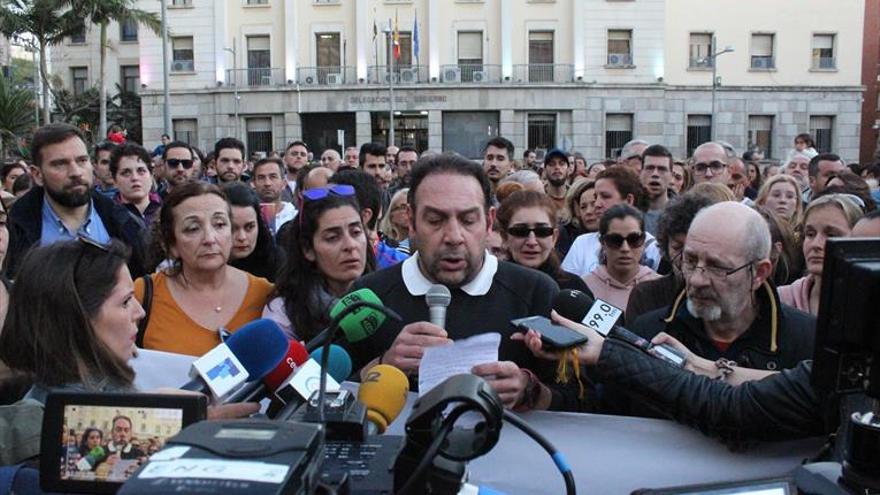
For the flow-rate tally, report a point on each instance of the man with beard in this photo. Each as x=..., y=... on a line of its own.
x=728, y=308
x=229, y=153
x=296, y=156
x=120, y=447
x=450, y=223
x=63, y=205
x=497, y=161
x=556, y=167
x=655, y=176
x=179, y=165
x=269, y=182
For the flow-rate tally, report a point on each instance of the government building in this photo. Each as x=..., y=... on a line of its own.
x=582, y=75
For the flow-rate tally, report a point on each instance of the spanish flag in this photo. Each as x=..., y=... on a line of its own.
x=396, y=37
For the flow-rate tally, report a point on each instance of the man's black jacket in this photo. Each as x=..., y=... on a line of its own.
x=26, y=226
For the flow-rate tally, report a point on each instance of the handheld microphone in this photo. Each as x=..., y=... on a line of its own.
x=438, y=298
x=246, y=356
x=339, y=365
x=603, y=317
x=383, y=392
x=358, y=325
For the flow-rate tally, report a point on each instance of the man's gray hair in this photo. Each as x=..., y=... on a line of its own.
x=523, y=177
x=757, y=239
x=626, y=151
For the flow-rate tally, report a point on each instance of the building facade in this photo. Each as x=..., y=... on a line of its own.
x=583, y=75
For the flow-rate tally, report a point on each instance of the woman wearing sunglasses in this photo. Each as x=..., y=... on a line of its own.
x=198, y=298
x=528, y=226
x=833, y=215
x=326, y=252
x=622, y=234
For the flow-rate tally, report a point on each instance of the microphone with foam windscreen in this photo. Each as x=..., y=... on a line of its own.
x=295, y=356
x=356, y=326
x=383, y=391
x=438, y=298
x=339, y=365
x=602, y=317
x=246, y=356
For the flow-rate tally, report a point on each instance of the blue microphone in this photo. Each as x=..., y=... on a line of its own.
x=339, y=363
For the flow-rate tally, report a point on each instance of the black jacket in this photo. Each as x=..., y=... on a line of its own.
x=780, y=407
x=26, y=225
x=779, y=338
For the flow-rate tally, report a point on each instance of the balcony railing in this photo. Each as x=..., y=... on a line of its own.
x=543, y=73
x=399, y=75
x=333, y=75
x=701, y=63
x=255, y=77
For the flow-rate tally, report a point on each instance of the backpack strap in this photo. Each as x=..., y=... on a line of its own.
x=148, y=302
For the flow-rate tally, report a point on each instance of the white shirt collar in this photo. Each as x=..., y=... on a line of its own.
x=417, y=284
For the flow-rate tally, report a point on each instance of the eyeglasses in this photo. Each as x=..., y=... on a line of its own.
x=615, y=241
x=174, y=163
x=523, y=231
x=716, y=167
x=689, y=266
x=320, y=193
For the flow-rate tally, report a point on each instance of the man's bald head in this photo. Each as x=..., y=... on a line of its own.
x=741, y=230
x=317, y=177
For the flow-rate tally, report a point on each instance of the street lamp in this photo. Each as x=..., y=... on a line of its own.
x=390, y=63
x=713, y=57
x=235, y=86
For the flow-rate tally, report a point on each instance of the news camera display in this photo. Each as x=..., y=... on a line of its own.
x=107, y=443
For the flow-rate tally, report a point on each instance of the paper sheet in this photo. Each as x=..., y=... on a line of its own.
x=442, y=362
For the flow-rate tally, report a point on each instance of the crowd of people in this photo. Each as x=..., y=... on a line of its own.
x=719, y=255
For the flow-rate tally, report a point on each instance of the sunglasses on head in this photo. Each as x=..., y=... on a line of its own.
x=319, y=193
x=615, y=241
x=522, y=231
x=174, y=163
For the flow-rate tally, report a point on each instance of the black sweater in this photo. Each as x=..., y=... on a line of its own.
x=516, y=292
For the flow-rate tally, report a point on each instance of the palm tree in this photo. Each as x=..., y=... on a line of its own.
x=16, y=114
x=40, y=24
x=102, y=12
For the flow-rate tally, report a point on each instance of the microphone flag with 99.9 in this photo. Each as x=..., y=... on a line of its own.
x=246, y=356
x=358, y=325
x=438, y=298
x=579, y=307
x=383, y=391
x=339, y=365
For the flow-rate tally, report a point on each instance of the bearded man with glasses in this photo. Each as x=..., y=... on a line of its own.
x=729, y=309
x=178, y=165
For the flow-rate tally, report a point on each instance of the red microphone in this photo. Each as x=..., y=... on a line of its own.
x=295, y=356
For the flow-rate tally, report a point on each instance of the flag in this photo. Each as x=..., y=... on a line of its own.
x=375, y=30
x=396, y=37
x=415, y=36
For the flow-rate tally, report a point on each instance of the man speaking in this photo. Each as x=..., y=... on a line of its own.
x=449, y=198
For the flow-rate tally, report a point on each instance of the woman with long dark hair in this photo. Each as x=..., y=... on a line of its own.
x=253, y=249
x=326, y=251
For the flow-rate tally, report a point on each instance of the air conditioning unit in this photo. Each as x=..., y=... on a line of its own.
x=310, y=80
x=409, y=76
x=480, y=76
x=392, y=78
x=182, y=67
x=452, y=75
x=334, y=79
x=761, y=63
x=617, y=59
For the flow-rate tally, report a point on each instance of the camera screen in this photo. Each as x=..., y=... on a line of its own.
x=106, y=443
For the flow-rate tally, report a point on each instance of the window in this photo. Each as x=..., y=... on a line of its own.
x=467, y=132
x=699, y=131
x=258, y=2
x=540, y=56
x=406, y=56
x=618, y=131
x=259, y=134
x=823, y=51
x=619, y=47
x=182, y=54
x=259, y=61
x=470, y=53
x=701, y=51
x=328, y=57
x=185, y=130
x=181, y=3
x=542, y=131
x=128, y=30
x=130, y=77
x=761, y=133
x=762, y=51
x=80, y=78
x=822, y=130
x=79, y=36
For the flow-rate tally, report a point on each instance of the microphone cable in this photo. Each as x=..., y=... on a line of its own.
x=444, y=431
x=558, y=458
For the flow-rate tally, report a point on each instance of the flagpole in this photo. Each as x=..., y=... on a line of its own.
x=390, y=85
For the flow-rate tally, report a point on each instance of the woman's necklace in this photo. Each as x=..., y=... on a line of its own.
x=218, y=309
